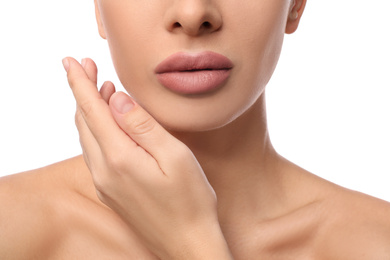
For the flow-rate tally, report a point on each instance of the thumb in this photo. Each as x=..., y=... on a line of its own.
x=143, y=128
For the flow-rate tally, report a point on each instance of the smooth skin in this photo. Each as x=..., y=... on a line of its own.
x=167, y=176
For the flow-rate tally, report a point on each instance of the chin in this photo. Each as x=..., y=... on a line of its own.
x=189, y=125
x=192, y=117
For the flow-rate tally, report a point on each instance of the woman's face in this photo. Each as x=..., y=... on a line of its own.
x=143, y=33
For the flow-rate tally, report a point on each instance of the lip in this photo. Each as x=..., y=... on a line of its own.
x=187, y=73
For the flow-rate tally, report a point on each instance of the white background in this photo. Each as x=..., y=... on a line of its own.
x=328, y=102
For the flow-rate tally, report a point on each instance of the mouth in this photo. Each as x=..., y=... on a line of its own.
x=199, y=73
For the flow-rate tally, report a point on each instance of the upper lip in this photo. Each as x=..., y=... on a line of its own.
x=183, y=61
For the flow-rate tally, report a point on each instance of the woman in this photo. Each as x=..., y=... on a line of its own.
x=185, y=169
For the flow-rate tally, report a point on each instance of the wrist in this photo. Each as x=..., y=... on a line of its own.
x=203, y=244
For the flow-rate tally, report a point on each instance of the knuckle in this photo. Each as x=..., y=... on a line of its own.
x=86, y=107
x=75, y=81
x=78, y=118
x=142, y=126
x=182, y=153
x=115, y=162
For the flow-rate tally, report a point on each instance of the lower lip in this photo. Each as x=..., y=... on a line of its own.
x=193, y=82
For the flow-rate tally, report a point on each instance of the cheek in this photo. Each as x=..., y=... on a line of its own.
x=259, y=37
x=258, y=42
x=129, y=33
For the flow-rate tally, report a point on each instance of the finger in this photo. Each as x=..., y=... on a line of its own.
x=89, y=145
x=90, y=68
x=107, y=90
x=96, y=159
x=92, y=155
x=116, y=146
x=144, y=129
x=93, y=108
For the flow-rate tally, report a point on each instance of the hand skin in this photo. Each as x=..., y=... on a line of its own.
x=151, y=179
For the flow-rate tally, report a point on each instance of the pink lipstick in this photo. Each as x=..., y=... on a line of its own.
x=187, y=73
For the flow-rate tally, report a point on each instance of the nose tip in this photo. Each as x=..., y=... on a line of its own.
x=194, y=18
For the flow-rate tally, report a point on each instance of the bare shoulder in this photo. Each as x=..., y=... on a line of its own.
x=30, y=203
x=356, y=226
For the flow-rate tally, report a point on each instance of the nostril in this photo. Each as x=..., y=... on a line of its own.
x=176, y=25
x=192, y=28
x=207, y=25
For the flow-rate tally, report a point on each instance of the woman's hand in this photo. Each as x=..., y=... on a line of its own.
x=151, y=179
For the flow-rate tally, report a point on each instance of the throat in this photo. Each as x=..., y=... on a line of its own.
x=237, y=159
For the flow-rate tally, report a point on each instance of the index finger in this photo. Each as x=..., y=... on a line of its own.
x=93, y=107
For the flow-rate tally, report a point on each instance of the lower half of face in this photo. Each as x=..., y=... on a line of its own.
x=142, y=34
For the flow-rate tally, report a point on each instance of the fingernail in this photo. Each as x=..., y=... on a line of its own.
x=83, y=63
x=65, y=62
x=123, y=103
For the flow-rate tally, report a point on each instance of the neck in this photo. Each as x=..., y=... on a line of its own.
x=238, y=159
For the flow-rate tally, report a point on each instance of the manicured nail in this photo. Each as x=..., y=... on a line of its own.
x=83, y=63
x=123, y=103
x=65, y=62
